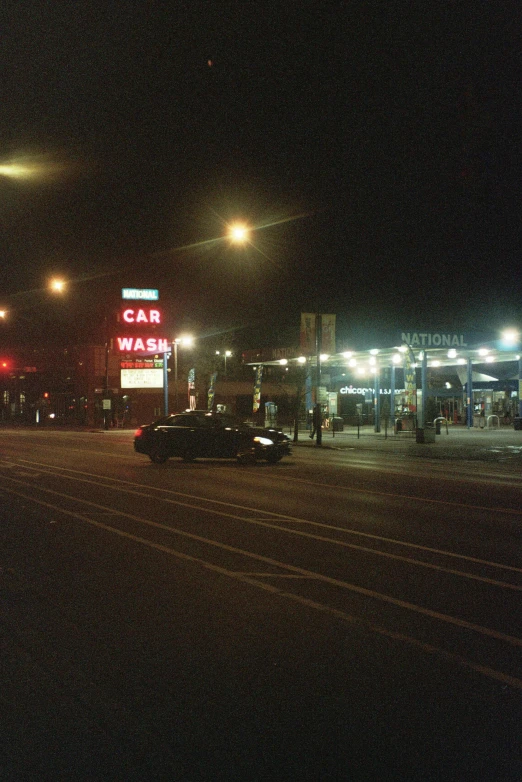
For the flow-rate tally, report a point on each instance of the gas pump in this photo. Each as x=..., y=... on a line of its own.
x=270, y=414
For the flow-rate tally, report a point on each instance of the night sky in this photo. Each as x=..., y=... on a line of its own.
x=374, y=147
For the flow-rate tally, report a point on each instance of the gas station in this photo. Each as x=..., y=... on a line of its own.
x=397, y=381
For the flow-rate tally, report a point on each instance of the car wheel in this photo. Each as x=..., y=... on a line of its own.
x=273, y=458
x=158, y=456
x=246, y=458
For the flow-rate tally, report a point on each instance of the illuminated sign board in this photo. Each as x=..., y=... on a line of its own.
x=144, y=294
x=141, y=378
x=142, y=344
x=141, y=363
x=362, y=391
x=424, y=339
x=141, y=316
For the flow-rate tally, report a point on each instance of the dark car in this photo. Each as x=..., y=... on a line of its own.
x=196, y=434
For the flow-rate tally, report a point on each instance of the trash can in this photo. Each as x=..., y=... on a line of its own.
x=338, y=424
x=437, y=426
x=517, y=423
x=426, y=435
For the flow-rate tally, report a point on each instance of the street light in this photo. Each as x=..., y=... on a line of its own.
x=238, y=233
x=187, y=342
x=57, y=285
x=226, y=354
x=510, y=338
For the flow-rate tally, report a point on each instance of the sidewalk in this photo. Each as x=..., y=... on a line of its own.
x=459, y=443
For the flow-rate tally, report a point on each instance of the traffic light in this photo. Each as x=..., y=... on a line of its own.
x=5, y=364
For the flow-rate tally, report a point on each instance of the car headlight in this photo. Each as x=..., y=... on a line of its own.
x=263, y=441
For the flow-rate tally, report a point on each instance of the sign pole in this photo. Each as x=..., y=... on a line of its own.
x=319, y=345
x=165, y=384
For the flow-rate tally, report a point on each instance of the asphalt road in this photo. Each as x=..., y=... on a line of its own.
x=342, y=615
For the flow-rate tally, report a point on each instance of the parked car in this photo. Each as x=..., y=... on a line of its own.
x=196, y=434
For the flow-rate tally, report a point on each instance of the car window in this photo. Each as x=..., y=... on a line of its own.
x=187, y=420
x=166, y=421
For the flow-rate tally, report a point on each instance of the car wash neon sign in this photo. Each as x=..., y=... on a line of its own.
x=139, y=319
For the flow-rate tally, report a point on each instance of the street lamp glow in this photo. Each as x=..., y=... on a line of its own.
x=185, y=341
x=57, y=285
x=3, y=314
x=19, y=170
x=238, y=233
x=510, y=337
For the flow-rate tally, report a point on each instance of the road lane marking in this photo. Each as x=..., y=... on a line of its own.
x=283, y=517
x=323, y=539
x=348, y=489
x=461, y=623
x=461, y=661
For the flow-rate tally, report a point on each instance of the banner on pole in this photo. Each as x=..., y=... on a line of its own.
x=308, y=334
x=192, y=389
x=212, y=391
x=257, y=389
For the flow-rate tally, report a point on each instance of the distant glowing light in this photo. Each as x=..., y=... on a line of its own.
x=31, y=167
x=324, y=357
x=461, y=361
x=239, y=233
x=435, y=363
x=374, y=351
x=57, y=285
x=283, y=361
x=452, y=353
x=347, y=354
x=352, y=362
x=187, y=341
x=3, y=314
x=372, y=360
x=510, y=337
x=396, y=358
x=490, y=359
x=483, y=351
x=19, y=171
x=301, y=360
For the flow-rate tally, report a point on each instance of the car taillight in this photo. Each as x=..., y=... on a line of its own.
x=138, y=433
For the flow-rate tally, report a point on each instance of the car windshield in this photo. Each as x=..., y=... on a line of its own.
x=198, y=419
x=178, y=420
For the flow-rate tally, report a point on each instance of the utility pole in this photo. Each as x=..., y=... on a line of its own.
x=318, y=346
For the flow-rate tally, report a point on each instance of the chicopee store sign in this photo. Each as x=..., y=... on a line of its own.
x=362, y=391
